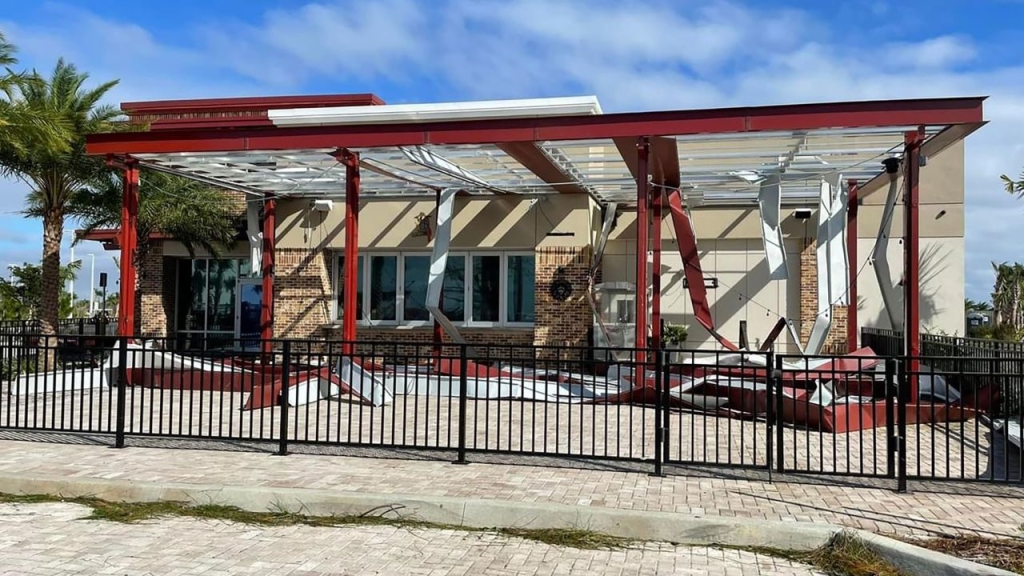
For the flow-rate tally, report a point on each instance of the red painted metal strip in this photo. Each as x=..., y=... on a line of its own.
x=852, y=323
x=912, y=256
x=691, y=268
x=656, y=204
x=534, y=160
x=129, y=240
x=269, y=257
x=643, y=226
x=773, y=335
x=249, y=103
x=351, y=304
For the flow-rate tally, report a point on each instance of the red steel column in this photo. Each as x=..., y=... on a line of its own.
x=267, y=274
x=656, y=204
x=643, y=188
x=129, y=240
x=351, y=303
x=912, y=256
x=852, y=334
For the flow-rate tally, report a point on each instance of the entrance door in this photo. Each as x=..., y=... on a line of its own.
x=250, y=305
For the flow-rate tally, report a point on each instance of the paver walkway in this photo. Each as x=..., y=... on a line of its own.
x=42, y=539
x=972, y=509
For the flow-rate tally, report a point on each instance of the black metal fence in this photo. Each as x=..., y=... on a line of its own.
x=657, y=409
x=65, y=326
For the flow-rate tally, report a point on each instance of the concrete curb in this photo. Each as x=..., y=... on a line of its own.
x=916, y=560
x=479, y=513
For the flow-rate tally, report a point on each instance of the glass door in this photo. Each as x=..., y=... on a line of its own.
x=250, y=306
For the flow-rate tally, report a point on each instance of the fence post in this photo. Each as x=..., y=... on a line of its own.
x=122, y=386
x=659, y=360
x=780, y=453
x=463, y=393
x=282, y=399
x=769, y=368
x=892, y=441
x=665, y=406
x=903, y=391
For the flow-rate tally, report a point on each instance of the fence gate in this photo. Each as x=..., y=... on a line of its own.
x=836, y=417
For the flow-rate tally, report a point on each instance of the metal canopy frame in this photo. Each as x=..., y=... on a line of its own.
x=714, y=157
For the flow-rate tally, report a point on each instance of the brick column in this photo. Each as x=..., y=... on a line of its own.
x=836, y=340
x=302, y=293
x=154, y=305
x=565, y=323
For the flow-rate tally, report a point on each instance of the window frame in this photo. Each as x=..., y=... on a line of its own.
x=400, y=256
x=504, y=292
x=363, y=302
x=470, y=322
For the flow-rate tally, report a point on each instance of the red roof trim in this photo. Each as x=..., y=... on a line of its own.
x=111, y=237
x=249, y=103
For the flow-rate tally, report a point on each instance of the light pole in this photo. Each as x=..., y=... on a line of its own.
x=92, y=283
x=71, y=283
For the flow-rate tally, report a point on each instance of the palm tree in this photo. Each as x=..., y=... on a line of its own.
x=975, y=306
x=1008, y=295
x=21, y=126
x=198, y=216
x=57, y=175
x=1015, y=187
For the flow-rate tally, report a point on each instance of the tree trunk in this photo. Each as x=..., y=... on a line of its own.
x=49, y=300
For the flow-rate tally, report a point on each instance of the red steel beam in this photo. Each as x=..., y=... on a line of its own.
x=852, y=335
x=129, y=239
x=536, y=161
x=643, y=188
x=691, y=268
x=351, y=304
x=912, y=256
x=656, y=203
x=937, y=112
x=267, y=275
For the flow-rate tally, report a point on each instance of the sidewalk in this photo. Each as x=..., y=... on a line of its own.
x=48, y=539
x=979, y=509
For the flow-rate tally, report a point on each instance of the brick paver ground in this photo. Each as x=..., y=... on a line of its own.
x=43, y=539
x=929, y=510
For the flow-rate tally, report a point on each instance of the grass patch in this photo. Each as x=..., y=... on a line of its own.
x=569, y=538
x=133, y=512
x=844, y=555
x=847, y=555
x=1006, y=554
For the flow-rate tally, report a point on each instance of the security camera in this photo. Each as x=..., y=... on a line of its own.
x=892, y=165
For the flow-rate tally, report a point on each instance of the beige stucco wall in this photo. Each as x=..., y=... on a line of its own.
x=509, y=222
x=729, y=241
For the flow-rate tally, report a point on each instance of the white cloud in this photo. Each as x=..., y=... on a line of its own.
x=633, y=55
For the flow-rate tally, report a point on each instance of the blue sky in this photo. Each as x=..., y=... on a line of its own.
x=633, y=55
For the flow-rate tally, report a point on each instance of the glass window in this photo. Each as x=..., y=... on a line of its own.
x=223, y=282
x=519, y=289
x=486, y=288
x=415, y=276
x=192, y=294
x=384, y=288
x=453, y=294
x=340, y=287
